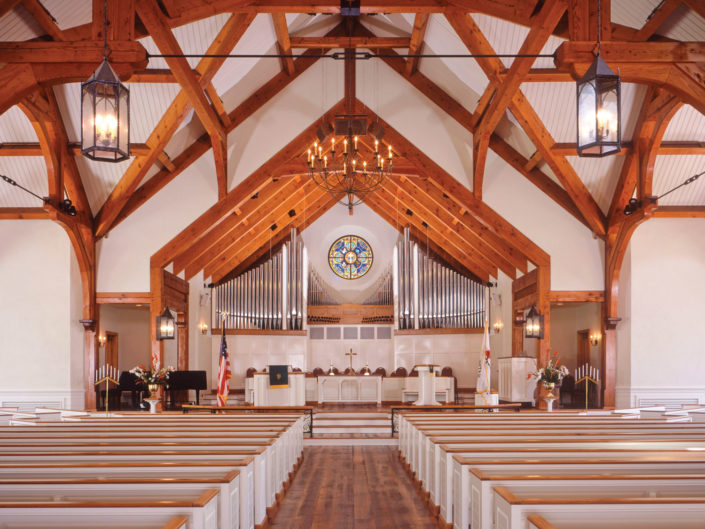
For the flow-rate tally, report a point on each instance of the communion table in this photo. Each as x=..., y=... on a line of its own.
x=349, y=388
x=294, y=395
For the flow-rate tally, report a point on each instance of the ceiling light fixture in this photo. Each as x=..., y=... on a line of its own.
x=105, y=111
x=599, y=107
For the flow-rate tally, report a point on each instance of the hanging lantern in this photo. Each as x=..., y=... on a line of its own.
x=166, y=325
x=105, y=116
x=533, y=328
x=599, y=123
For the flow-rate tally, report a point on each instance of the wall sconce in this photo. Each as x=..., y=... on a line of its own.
x=102, y=339
x=595, y=338
x=203, y=326
x=166, y=325
x=533, y=328
x=497, y=327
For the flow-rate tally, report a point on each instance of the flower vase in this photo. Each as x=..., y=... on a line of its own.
x=550, y=386
x=153, y=388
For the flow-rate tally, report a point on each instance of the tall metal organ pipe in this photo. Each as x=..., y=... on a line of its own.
x=256, y=298
x=432, y=293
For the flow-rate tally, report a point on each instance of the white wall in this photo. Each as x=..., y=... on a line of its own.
x=335, y=223
x=500, y=311
x=667, y=335
x=41, y=351
x=132, y=325
x=576, y=256
x=459, y=351
x=123, y=256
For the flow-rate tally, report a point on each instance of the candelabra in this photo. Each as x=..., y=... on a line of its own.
x=106, y=373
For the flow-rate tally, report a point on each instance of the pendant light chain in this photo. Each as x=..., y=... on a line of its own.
x=105, y=29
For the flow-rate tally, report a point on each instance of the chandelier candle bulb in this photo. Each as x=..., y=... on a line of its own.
x=345, y=146
x=355, y=140
x=376, y=146
x=325, y=161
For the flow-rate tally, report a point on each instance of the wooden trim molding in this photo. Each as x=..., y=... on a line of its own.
x=127, y=298
x=402, y=332
x=259, y=332
x=577, y=296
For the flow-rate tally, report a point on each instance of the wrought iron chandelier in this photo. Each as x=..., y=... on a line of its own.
x=345, y=172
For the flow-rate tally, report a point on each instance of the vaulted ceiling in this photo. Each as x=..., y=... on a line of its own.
x=521, y=109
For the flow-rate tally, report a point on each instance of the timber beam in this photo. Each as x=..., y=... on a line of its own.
x=226, y=40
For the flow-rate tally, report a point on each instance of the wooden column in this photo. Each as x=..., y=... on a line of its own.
x=170, y=291
x=533, y=288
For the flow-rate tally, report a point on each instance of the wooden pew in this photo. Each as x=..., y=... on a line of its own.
x=512, y=510
x=481, y=497
x=89, y=486
x=89, y=510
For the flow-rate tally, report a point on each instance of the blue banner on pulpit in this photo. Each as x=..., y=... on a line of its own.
x=278, y=376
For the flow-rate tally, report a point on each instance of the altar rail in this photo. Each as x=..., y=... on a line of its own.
x=515, y=406
x=250, y=409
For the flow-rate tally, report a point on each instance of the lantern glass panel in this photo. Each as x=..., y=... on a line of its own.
x=607, y=112
x=124, y=120
x=587, y=126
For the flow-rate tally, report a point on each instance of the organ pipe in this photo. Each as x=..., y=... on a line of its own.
x=268, y=296
x=431, y=295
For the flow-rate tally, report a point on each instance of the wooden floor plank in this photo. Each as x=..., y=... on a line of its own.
x=352, y=487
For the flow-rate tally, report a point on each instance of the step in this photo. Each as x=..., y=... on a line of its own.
x=323, y=430
x=351, y=415
x=351, y=422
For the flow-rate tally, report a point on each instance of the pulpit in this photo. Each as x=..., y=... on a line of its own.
x=293, y=395
x=427, y=384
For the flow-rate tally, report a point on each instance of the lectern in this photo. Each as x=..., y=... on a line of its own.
x=427, y=384
x=294, y=395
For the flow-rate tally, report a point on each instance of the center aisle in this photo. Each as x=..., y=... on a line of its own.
x=352, y=487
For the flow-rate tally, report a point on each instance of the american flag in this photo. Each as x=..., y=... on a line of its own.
x=224, y=372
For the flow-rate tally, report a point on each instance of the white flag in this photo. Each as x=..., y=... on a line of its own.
x=483, y=374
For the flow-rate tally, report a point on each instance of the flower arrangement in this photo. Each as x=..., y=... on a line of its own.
x=149, y=377
x=553, y=373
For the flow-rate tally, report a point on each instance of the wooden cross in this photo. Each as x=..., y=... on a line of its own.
x=351, y=354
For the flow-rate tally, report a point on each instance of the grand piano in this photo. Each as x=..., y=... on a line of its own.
x=178, y=381
x=184, y=381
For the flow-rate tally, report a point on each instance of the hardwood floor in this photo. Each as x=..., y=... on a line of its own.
x=352, y=487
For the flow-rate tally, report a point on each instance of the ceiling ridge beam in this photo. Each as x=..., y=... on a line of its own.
x=355, y=41
x=226, y=40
